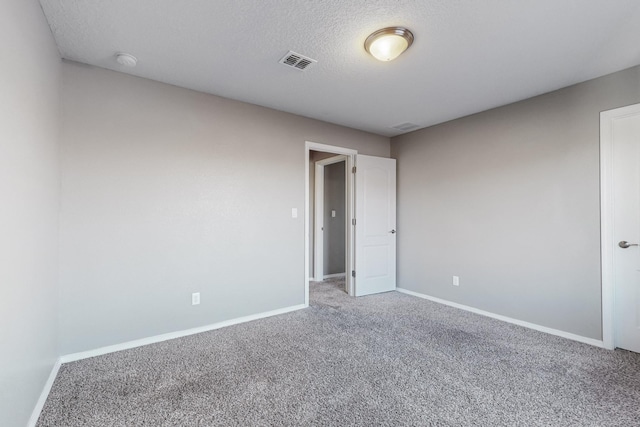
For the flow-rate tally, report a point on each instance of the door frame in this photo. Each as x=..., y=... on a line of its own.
x=318, y=205
x=350, y=163
x=607, y=242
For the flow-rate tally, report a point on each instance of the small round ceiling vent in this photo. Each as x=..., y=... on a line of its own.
x=126, y=59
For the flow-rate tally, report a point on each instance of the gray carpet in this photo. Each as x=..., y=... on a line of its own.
x=388, y=359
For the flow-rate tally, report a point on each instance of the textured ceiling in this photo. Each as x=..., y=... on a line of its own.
x=468, y=55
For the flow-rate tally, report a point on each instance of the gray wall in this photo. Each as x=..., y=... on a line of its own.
x=334, y=227
x=29, y=84
x=508, y=200
x=166, y=192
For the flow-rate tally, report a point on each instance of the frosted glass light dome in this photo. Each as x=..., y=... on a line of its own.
x=388, y=43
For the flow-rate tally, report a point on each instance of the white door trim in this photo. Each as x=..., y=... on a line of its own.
x=309, y=146
x=318, y=223
x=318, y=240
x=606, y=219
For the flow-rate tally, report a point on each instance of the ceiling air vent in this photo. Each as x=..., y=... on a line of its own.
x=297, y=61
x=406, y=127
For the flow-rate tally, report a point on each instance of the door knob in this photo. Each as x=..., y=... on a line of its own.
x=393, y=232
x=624, y=244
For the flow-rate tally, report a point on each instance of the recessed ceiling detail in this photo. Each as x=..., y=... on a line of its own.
x=406, y=127
x=297, y=61
x=126, y=59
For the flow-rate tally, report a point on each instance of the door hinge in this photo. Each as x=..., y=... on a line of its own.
x=353, y=169
x=353, y=273
x=353, y=221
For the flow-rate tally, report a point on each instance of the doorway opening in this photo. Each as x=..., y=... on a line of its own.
x=329, y=239
x=329, y=216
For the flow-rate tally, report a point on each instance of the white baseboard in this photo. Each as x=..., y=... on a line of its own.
x=529, y=325
x=44, y=394
x=331, y=276
x=171, y=335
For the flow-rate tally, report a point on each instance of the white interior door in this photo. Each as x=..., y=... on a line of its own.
x=625, y=136
x=375, y=230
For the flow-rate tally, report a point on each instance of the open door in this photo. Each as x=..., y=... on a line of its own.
x=620, y=142
x=375, y=230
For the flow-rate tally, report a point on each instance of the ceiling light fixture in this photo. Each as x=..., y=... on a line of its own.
x=388, y=43
x=126, y=59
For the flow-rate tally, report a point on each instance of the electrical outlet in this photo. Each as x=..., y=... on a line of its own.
x=195, y=298
x=456, y=281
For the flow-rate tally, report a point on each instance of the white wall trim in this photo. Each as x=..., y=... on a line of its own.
x=332, y=160
x=606, y=228
x=318, y=221
x=529, y=325
x=315, y=146
x=44, y=394
x=331, y=276
x=178, y=334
